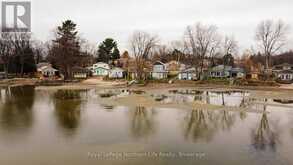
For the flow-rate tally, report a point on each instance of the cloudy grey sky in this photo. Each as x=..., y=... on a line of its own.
x=98, y=19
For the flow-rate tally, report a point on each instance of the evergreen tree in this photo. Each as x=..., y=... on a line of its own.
x=65, y=51
x=228, y=60
x=108, y=50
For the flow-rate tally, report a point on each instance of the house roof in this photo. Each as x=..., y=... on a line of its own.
x=42, y=64
x=221, y=68
x=173, y=62
x=284, y=64
x=286, y=72
x=158, y=63
x=47, y=68
x=80, y=69
x=189, y=70
x=102, y=65
x=117, y=69
x=237, y=70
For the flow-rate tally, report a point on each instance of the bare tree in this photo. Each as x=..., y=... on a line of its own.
x=230, y=45
x=271, y=37
x=141, y=44
x=214, y=51
x=160, y=52
x=39, y=51
x=22, y=45
x=201, y=40
x=180, y=48
x=6, y=51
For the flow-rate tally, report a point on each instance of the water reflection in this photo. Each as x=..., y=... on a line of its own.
x=68, y=123
x=70, y=94
x=227, y=119
x=142, y=122
x=67, y=104
x=200, y=125
x=222, y=98
x=108, y=108
x=263, y=136
x=114, y=93
x=242, y=115
x=16, y=107
x=283, y=101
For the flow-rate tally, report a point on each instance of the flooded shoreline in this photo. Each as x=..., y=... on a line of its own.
x=67, y=125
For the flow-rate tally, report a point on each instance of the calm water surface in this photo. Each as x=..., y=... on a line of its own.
x=74, y=127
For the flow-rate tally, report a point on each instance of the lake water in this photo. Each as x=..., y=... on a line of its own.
x=77, y=127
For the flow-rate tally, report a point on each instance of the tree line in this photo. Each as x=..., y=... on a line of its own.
x=19, y=53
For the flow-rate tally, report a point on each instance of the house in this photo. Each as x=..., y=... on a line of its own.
x=80, y=73
x=283, y=72
x=254, y=75
x=100, y=69
x=116, y=73
x=188, y=74
x=282, y=67
x=45, y=70
x=42, y=64
x=223, y=71
x=159, y=70
x=132, y=69
x=220, y=71
x=238, y=72
x=174, y=67
x=285, y=75
x=254, y=71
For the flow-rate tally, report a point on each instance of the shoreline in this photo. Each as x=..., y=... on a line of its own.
x=149, y=86
x=255, y=92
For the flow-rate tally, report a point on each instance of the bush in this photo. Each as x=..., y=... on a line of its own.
x=219, y=81
x=261, y=83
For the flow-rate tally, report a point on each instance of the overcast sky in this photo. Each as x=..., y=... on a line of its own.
x=98, y=19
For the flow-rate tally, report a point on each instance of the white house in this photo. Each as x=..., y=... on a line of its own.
x=116, y=73
x=284, y=72
x=46, y=70
x=188, y=74
x=100, y=69
x=238, y=72
x=220, y=71
x=282, y=67
x=285, y=75
x=80, y=73
x=159, y=70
